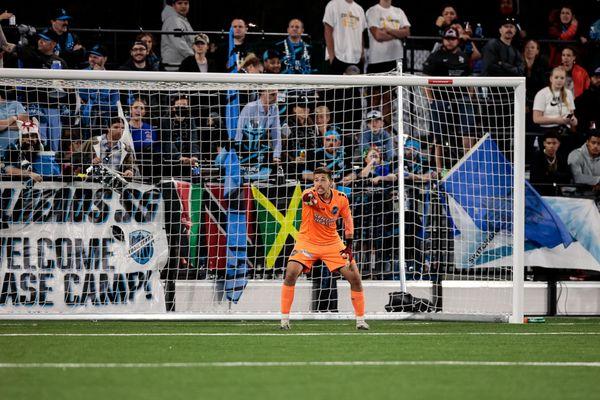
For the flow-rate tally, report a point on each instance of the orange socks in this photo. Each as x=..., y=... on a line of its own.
x=287, y=298
x=358, y=302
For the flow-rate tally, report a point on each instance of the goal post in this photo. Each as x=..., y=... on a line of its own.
x=190, y=207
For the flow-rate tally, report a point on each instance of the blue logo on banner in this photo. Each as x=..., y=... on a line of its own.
x=141, y=246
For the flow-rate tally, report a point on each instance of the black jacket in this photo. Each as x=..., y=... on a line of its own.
x=543, y=176
x=189, y=64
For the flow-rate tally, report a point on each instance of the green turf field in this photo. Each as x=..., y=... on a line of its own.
x=316, y=360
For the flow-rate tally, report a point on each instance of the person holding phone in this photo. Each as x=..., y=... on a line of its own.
x=553, y=110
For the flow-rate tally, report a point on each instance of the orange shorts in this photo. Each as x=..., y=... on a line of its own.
x=307, y=253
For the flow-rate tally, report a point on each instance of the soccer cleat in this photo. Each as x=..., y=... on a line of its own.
x=362, y=326
x=285, y=325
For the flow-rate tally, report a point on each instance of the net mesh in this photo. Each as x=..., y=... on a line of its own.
x=162, y=196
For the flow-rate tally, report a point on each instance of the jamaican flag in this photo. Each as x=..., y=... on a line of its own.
x=278, y=215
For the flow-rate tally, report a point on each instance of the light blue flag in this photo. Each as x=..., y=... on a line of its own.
x=479, y=193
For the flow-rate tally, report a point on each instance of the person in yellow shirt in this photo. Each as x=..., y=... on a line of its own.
x=318, y=240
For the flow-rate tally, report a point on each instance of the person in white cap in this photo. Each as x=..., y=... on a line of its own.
x=377, y=137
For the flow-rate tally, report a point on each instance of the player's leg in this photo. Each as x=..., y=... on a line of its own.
x=292, y=272
x=352, y=275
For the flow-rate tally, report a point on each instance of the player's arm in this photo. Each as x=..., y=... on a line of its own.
x=348, y=231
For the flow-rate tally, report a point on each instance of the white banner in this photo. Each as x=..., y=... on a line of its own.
x=81, y=248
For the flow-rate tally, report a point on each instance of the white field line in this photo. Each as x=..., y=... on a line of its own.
x=141, y=334
x=238, y=364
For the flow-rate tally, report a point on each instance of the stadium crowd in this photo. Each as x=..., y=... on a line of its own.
x=290, y=133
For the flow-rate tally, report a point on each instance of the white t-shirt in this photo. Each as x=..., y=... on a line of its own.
x=348, y=22
x=551, y=104
x=380, y=17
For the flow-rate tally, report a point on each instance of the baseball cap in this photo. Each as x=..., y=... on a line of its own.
x=332, y=132
x=451, y=33
x=61, y=15
x=201, y=37
x=271, y=53
x=596, y=71
x=48, y=35
x=139, y=43
x=374, y=114
x=509, y=21
x=97, y=50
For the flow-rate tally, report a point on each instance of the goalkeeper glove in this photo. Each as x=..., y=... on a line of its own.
x=347, y=251
x=309, y=199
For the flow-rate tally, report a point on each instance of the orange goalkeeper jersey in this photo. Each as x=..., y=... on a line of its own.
x=318, y=224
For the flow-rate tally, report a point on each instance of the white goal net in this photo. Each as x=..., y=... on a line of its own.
x=178, y=195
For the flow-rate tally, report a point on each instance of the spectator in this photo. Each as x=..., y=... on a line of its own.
x=146, y=142
x=536, y=71
x=376, y=136
x=258, y=135
x=549, y=168
x=42, y=56
x=388, y=26
x=444, y=22
x=180, y=139
x=344, y=22
x=585, y=162
x=375, y=170
x=331, y=155
x=70, y=154
x=10, y=113
x=19, y=158
x=45, y=104
x=5, y=46
x=563, y=26
x=578, y=79
x=587, y=109
x=322, y=121
x=373, y=206
x=295, y=52
x=272, y=62
x=231, y=59
x=138, y=60
x=251, y=65
x=553, y=109
x=302, y=137
x=199, y=62
x=500, y=58
x=174, y=48
x=98, y=104
x=154, y=60
x=68, y=46
x=109, y=150
x=451, y=112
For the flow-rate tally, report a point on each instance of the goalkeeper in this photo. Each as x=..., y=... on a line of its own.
x=318, y=240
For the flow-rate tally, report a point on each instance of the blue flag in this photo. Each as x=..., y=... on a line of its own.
x=480, y=187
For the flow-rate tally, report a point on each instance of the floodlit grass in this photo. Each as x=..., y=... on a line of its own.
x=179, y=360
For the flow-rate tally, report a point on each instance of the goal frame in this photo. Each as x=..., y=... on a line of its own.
x=67, y=78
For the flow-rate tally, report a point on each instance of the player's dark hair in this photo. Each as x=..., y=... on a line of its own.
x=553, y=134
x=592, y=133
x=324, y=171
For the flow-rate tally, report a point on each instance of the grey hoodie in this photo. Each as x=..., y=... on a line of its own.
x=174, y=49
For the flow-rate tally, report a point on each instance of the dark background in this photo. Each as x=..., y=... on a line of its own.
x=273, y=15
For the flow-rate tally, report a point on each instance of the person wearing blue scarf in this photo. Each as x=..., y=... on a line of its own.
x=331, y=156
x=295, y=53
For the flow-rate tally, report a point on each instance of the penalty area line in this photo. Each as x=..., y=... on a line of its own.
x=283, y=334
x=252, y=364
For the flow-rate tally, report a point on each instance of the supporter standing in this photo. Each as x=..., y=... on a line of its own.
x=174, y=48
x=295, y=53
x=10, y=113
x=68, y=46
x=344, y=22
x=500, y=57
x=563, y=26
x=388, y=26
x=230, y=59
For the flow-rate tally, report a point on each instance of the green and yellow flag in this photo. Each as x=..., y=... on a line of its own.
x=278, y=215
